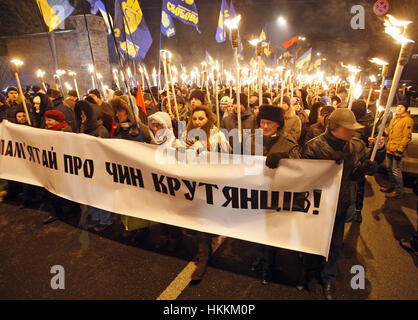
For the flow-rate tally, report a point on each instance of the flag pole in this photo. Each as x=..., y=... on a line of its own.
x=88, y=36
x=123, y=72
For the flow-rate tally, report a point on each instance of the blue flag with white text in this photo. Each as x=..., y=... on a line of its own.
x=184, y=10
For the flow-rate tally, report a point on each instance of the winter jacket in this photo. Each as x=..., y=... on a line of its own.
x=92, y=126
x=280, y=142
x=292, y=124
x=58, y=104
x=128, y=129
x=367, y=121
x=353, y=152
x=248, y=121
x=314, y=131
x=7, y=113
x=399, y=133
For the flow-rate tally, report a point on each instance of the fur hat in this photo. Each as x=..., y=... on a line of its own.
x=272, y=113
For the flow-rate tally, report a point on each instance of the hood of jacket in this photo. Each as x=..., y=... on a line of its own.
x=92, y=121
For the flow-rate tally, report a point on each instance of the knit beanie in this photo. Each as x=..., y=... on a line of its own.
x=11, y=88
x=55, y=114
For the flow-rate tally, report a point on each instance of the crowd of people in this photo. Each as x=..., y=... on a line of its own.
x=303, y=123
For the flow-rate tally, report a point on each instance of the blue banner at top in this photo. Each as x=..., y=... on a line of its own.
x=184, y=10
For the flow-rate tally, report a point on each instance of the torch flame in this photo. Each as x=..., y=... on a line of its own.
x=99, y=76
x=351, y=68
x=40, y=73
x=61, y=72
x=254, y=42
x=233, y=23
x=379, y=61
x=71, y=73
x=17, y=62
x=397, y=23
x=396, y=33
x=372, y=78
x=67, y=85
x=91, y=68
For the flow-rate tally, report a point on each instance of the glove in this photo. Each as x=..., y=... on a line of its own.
x=273, y=159
x=369, y=167
x=338, y=157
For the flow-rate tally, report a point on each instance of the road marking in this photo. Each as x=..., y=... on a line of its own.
x=176, y=287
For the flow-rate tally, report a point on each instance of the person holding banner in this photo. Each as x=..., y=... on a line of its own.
x=55, y=120
x=88, y=123
x=277, y=145
x=202, y=135
x=338, y=144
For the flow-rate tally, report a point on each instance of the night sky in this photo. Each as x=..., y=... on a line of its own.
x=325, y=24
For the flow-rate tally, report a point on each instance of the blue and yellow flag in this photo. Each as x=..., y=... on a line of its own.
x=54, y=12
x=97, y=5
x=223, y=15
x=304, y=59
x=265, y=43
x=184, y=10
x=317, y=63
x=209, y=59
x=131, y=30
x=167, y=25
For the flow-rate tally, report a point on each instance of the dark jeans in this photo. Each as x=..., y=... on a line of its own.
x=329, y=270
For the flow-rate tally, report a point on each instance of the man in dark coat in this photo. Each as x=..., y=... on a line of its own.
x=338, y=143
x=277, y=145
x=319, y=128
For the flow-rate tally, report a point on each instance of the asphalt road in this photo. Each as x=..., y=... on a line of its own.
x=106, y=265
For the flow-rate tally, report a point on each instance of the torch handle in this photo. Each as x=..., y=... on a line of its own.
x=23, y=98
x=260, y=86
x=238, y=96
x=174, y=92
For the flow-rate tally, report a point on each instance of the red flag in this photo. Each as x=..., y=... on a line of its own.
x=290, y=42
x=140, y=98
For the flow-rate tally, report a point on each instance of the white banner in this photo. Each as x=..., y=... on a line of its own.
x=291, y=207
